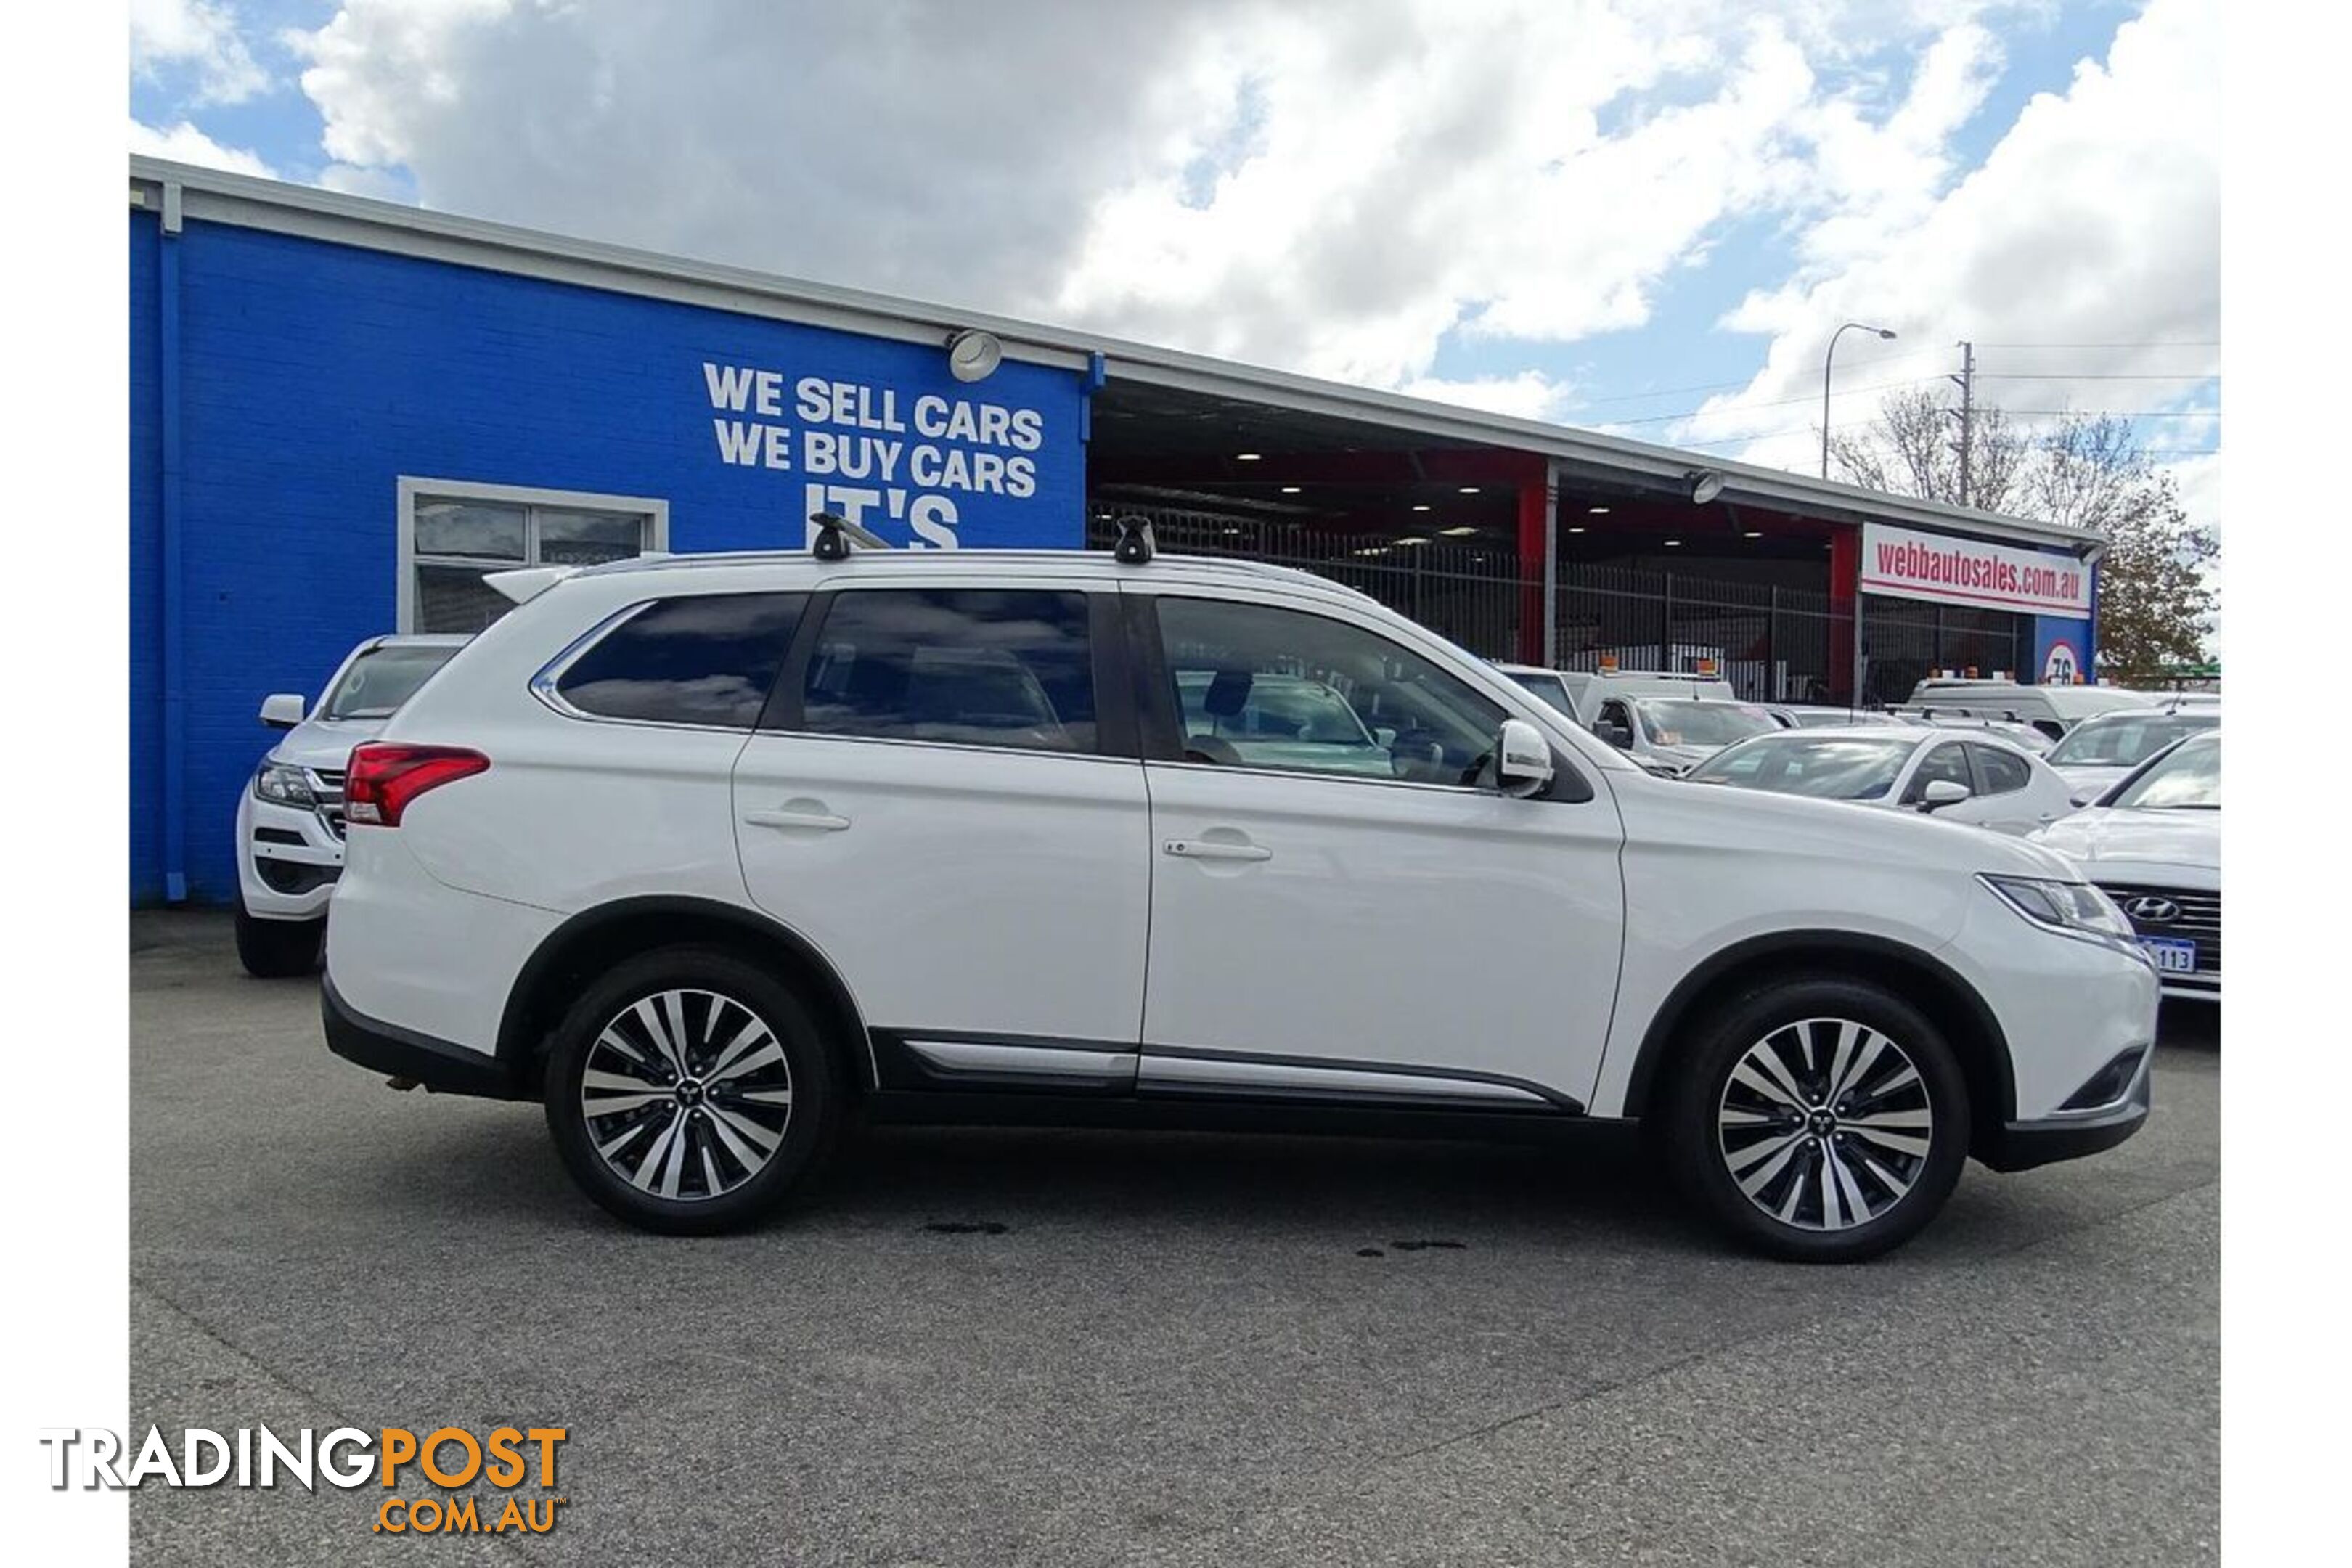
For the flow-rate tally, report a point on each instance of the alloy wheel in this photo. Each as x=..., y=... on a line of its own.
x=686, y=1094
x=1825, y=1125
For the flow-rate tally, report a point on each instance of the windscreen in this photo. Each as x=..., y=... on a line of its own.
x=380, y=680
x=1672, y=722
x=1829, y=767
x=2189, y=779
x=2127, y=740
x=1550, y=687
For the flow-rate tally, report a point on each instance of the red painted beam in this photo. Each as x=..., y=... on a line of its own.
x=1535, y=512
x=1845, y=571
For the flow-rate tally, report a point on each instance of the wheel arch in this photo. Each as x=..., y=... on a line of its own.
x=1954, y=1005
x=597, y=937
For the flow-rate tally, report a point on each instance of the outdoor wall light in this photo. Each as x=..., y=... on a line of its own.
x=1706, y=484
x=972, y=355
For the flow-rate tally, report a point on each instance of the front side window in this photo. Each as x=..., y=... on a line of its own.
x=704, y=659
x=380, y=680
x=976, y=667
x=1258, y=687
x=1943, y=763
x=457, y=536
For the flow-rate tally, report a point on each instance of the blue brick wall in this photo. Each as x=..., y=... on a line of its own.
x=314, y=375
x=146, y=602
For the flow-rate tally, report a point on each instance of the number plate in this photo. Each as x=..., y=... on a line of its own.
x=2172, y=955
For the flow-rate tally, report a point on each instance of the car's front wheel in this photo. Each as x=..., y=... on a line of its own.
x=1821, y=1119
x=277, y=950
x=690, y=1091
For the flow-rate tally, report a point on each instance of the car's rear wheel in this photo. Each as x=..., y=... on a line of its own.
x=1821, y=1119
x=690, y=1091
x=277, y=950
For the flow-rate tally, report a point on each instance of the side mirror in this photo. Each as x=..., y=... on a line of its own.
x=1384, y=736
x=1941, y=793
x=283, y=710
x=1522, y=758
x=1617, y=734
x=2082, y=797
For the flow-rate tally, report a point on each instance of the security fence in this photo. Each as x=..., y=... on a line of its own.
x=1773, y=644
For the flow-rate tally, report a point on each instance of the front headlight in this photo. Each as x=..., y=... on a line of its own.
x=283, y=785
x=2075, y=909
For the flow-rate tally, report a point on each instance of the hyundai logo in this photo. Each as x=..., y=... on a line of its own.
x=2153, y=911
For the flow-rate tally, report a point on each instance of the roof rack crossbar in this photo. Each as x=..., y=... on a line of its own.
x=1137, y=543
x=833, y=534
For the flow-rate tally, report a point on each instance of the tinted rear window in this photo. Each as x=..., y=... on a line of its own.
x=707, y=659
x=975, y=667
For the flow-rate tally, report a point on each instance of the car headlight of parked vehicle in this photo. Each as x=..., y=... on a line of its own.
x=2072, y=908
x=284, y=785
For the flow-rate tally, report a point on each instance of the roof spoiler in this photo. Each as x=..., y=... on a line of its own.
x=525, y=583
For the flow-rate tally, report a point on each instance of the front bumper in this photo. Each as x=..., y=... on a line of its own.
x=287, y=859
x=405, y=1054
x=2070, y=1135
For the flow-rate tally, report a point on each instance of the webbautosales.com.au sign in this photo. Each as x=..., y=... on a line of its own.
x=1911, y=563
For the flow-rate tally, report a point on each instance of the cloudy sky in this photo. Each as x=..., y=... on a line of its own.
x=1643, y=216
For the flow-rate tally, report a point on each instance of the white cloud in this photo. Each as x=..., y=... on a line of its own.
x=2082, y=256
x=184, y=143
x=200, y=35
x=1531, y=395
x=1338, y=186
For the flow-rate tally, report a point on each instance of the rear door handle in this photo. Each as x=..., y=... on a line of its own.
x=1215, y=849
x=803, y=816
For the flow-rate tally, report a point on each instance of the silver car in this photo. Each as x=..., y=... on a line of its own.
x=1962, y=776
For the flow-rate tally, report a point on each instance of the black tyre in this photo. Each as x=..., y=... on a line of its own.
x=277, y=950
x=690, y=1091
x=1820, y=1119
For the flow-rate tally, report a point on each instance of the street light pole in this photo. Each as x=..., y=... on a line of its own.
x=1828, y=360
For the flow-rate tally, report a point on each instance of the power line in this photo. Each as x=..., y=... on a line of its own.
x=2153, y=343
x=1728, y=386
x=2065, y=375
x=1775, y=403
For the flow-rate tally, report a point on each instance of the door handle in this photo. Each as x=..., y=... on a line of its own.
x=807, y=816
x=1215, y=849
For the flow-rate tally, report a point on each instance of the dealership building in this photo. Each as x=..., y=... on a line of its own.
x=345, y=413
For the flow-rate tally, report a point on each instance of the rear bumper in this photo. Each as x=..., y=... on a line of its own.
x=403, y=1053
x=2071, y=1135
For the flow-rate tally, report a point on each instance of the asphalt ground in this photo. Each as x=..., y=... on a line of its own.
x=1050, y=1347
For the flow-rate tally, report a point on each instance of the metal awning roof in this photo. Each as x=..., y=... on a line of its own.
x=215, y=196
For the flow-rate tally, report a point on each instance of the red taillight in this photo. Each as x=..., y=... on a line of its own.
x=385, y=777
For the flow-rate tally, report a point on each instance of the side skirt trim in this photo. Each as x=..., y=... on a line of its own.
x=955, y=1061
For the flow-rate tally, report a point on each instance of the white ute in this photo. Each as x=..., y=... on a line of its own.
x=289, y=816
x=708, y=853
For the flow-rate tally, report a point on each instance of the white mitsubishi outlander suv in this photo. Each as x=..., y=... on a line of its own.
x=712, y=853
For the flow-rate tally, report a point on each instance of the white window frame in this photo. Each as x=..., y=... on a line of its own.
x=411, y=487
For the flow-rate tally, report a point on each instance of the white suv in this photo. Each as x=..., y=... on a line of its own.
x=290, y=818
x=711, y=853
